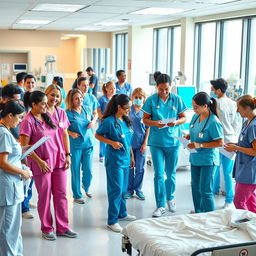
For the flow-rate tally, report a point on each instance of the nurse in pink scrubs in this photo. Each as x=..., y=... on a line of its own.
x=48, y=163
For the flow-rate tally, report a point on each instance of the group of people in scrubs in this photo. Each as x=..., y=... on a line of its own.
x=128, y=122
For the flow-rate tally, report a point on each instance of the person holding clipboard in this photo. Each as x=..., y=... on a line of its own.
x=164, y=147
x=48, y=164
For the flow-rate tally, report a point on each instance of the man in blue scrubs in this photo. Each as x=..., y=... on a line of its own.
x=122, y=87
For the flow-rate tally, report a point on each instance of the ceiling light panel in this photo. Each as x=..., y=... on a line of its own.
x=25, y=26
x=58, y=7
x=36, y=22
x=109, y=9
x=111, y=24
x=158, y=11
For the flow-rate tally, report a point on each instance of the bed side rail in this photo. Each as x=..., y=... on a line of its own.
x=242, y=249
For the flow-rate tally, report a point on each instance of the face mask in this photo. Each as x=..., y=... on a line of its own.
x=213, y=95
x=138, y=102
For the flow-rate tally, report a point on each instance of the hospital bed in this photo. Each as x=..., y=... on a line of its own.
x=226, y=232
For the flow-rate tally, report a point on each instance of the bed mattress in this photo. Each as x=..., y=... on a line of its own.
x=183, y=234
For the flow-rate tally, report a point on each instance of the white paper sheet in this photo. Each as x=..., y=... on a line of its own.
x=230, y=155
x=185, y=143
x=167, y=121
x=34, y=147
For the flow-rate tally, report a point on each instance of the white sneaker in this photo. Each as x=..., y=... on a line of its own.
x=128, y=218
x=158, y=212
x=228, y=205
x=171, y=205
x=115, y=227
x=27, y=215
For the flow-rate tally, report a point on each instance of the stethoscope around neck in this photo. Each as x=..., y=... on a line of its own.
x=168, y=100
x=118, y=126
x=200, y=135
x=86, y=114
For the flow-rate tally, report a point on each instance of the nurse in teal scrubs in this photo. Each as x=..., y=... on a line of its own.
x=206, y=134
x=115, y=130
x=81, y=143
x=164, y=146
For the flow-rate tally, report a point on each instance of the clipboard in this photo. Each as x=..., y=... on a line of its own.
x=34, y=147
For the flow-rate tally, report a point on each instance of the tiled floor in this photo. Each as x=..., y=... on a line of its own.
x=89, y=220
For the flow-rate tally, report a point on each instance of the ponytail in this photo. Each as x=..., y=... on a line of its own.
x=104, y=88
x=202, y=98
x=213, y=106
x=112, y=107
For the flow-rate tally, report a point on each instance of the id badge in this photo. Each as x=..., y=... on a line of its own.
x=123, y=136
x=200, y=135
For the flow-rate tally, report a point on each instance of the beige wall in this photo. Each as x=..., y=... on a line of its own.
x=42, y=43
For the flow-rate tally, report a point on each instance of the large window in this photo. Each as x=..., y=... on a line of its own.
x=231, y=53
x=167, y=50
x=121, y=51
x=252, y=58
x=226, y=49
x=206, y=34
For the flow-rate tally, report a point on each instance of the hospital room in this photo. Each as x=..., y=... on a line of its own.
x=127, y=127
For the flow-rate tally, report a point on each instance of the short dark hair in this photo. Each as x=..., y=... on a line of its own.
x=20, y=76
x=220, y=83
x=10, y=90
x=118, y=73
x=89, y=69
x=79, y=73
x=29, y=77
x=59, y=81
x=80, y=79
x=12, y=107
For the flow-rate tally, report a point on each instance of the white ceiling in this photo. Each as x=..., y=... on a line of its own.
x=11, y=11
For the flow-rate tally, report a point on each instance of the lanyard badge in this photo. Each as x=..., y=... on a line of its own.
x=200, y=135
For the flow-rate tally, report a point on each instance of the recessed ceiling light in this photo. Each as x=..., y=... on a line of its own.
x=158, y=11
x=92, y=28
x=72, y=35
x=111, y=24
x=58, y=7
x=34, y=22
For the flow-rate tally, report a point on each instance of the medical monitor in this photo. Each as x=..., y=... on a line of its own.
x=20, y=67
x=186, y=93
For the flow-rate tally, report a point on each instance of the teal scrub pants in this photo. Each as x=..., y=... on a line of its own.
x=164, y=159
x=81, y=159
x=202, y=187
x=227, y=167
x=117, y=183
x=10, y=230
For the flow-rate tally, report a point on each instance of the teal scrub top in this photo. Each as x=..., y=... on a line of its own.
x=11, y=185
x=159, y=110
x=78, y=124
x=91, y=102
x=245, y=165
x=211, y=130
x=116, y=130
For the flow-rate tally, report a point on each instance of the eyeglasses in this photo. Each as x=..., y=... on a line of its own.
x=126, y=108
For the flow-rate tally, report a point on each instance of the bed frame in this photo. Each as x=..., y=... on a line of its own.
x=240, y=249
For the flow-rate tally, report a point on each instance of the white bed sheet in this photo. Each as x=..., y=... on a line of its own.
x=183, y=234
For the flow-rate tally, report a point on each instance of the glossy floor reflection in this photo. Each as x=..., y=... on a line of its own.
x=89, y=220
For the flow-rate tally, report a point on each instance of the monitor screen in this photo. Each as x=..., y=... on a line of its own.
x=186, y=93
x=19, y=67
x=152, y=81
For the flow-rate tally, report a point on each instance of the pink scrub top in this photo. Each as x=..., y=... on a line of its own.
x=60, y=120
x=50, y=150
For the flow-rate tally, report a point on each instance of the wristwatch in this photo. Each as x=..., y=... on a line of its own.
x=201, y=145
x=68, y=154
